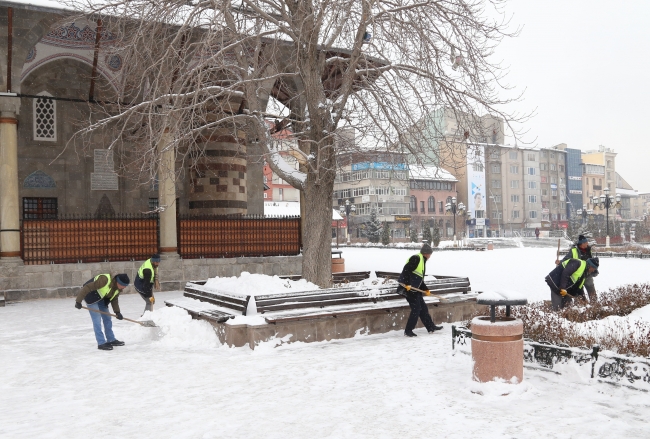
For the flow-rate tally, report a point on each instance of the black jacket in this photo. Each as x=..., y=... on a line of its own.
x=560, y=278
x=407, y=277
x=582, y=255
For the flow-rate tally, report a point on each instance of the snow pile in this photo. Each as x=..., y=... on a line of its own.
x=176, y=329
x=248, y=284
x=501, y=295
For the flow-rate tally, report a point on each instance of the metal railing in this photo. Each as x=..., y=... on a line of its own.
x=72, y=239
x=235, y=236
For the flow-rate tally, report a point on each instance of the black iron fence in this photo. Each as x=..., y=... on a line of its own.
x=234, y=236
x=606, y=367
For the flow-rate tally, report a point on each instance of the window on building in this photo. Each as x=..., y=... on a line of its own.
x=478, y=166
x=609, y=164
x=553, y=180
x=532, y=214
x=414, y=204
x=532, y=185
x=531, y=157
x=512, y=155
x=514, y=198
x=552, y=155
x=552, y=166
x=496, y=184
x=441, y=208
x=609, y=175
x=544, y=192
x=494, y=155
x=421, y=206
x=560, y=168
x=514, y=169
x=531, y=171
x=266, y=195
x=496, y=168
x=480, y=214
x=497, y=215
x=153, y=204
x=543, y=167
x=532, y=198
x=544, y=154
x=39, y=208
x=514, y=184
x=543, y=179
x=496, y=198
x=515, y=214
x=432, y=205
x=44, y=118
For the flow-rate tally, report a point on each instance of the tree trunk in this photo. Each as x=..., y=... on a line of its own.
x=317, y=239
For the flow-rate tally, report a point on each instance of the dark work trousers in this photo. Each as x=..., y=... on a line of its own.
x=418, y=309
x=140, y=288
x=558, y=302
x=591, y=289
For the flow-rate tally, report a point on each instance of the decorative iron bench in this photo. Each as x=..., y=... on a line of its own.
x=217, y=316
x=195, y=290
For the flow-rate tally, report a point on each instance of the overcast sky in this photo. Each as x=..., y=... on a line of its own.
x=585, y=66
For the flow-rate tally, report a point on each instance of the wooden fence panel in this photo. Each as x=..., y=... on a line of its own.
x=229, y=237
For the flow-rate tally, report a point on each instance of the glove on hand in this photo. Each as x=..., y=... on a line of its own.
x=77, y=305
x=427, y=293
x=563, y=293
x=407, y=287
x=152, y=300
x=119, y=315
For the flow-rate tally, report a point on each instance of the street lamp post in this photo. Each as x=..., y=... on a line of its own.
x=606, y=201
x=345, y=210
x=454, y=209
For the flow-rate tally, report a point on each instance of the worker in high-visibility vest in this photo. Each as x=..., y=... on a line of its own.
x=567, y=280
x=582, y=250
x=412, y=276
x=98, y=292
x=146, y=280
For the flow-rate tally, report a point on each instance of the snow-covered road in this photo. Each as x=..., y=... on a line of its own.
x=177, y=382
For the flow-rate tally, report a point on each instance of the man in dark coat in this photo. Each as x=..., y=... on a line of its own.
x=413, y=277
x=582, y=250
x=146, y=280
x=566, y=281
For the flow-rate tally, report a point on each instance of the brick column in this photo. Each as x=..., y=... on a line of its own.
x=167, y=195
x=9, y=206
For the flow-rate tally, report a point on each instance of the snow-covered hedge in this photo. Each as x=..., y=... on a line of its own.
x=619, y=321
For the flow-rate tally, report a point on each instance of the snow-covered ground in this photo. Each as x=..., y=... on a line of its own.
x=177, y=382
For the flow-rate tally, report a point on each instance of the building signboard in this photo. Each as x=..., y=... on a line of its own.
x=379, y=165
x=575, y=178
x=402, y=218
x=575, y=192
x=476, y=181
x=553, y=186
x=480, y=221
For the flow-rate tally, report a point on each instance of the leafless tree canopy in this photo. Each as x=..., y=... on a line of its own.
x=377, y=66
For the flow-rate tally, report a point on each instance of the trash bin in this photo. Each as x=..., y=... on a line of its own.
x=490, y=245
x=338, y=263
x=498, y=342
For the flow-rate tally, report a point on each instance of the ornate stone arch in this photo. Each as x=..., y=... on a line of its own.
x=39, y=180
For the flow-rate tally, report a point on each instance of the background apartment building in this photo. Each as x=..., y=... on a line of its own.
x=374, y=181
x=430, y=189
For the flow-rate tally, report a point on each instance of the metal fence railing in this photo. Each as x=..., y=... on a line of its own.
x=235, y=236
x=71, y=239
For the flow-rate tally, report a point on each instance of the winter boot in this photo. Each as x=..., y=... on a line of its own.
x=435, y=328
x=410, y=334
x=105, y=347
x=116, y=343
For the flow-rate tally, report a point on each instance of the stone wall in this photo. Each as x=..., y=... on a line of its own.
x=21, y=282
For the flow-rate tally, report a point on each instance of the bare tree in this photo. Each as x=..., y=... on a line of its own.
x=380, y=67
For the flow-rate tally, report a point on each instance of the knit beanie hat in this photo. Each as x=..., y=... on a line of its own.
x=593, y=262
x=123, y=279
x=155, y=258
x=426, y=249
x=582, y=239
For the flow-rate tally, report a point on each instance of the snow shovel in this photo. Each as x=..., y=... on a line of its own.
x=147, y=323
x=440, y=298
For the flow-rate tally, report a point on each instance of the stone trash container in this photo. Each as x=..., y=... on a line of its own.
x=498, y=342
x=490, y=245
x=338, y=263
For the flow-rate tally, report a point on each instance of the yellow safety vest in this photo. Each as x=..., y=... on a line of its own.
x=575, y=277
x=103, y=291
x=146, y=265
x=419, y=270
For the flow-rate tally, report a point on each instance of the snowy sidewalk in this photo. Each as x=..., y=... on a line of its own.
x=176, y=382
